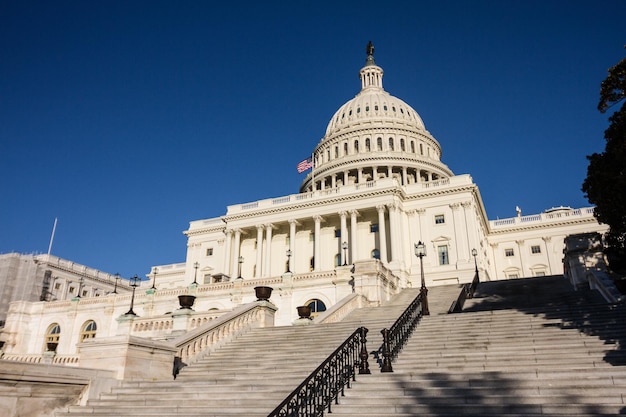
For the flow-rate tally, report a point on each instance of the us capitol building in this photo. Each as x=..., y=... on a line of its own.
x=376, y=188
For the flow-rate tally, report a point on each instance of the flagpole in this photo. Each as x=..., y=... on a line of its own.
x=313, y=172
x=52, y=236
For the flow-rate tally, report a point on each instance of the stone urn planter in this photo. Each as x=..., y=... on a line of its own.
x=304, y=312
x=263, y=293
x=52, y=346
x=186, y=301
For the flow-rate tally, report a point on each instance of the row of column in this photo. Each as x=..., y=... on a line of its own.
x=415, y=176
x=264, y=235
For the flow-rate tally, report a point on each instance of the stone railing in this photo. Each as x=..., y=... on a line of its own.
x=163, y=325
x=209, y=336
x=69, y=360
x=550, y=217
x=341, y=309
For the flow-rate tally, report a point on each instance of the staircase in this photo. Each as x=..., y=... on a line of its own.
x=526, y=347
x=248, y=377
x=530, y=347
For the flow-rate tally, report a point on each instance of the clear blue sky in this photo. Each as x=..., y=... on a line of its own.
x=128, y=119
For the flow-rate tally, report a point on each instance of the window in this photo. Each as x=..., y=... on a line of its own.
x=412, y=147
x=52, y=337
x=535, y=249
x=345, y=148
x=509, y=252
x=209, y=252
x=367, y=145
x=540, y=274
x=57, y=286
x=207, y=278
x=442, y=255
x=336, y=151
x=402, y=145
x=356, y=146
x=421, y=149
x=338, y=259
x=84, y=294
x=375, y=254
x=513, y=276
x=440, y=219
x=89, y=331
x=337, y=233
x=312, y=263
x=373, y=227
x=391, y=144
x=317, y=306
x=379, y=144
x=72, y=290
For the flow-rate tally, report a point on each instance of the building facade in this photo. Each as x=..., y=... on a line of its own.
x=376, y=189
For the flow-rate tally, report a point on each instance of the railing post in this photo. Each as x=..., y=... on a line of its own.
x=424, y=293
x=364, y=367
x=386, y=353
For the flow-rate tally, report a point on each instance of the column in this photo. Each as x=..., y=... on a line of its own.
x=227, y=251
x=333, y=181
x=344, y=236
x=359, y=176
x=404, y=176
x=259, y=251
x=268, y=250
x=547, y=240
x=394, y=231
x=317, y=237
x=389, y=171
x=382, y=235
x=235, y=264
x=292, y=243
x=353, y=235
x=462, y=253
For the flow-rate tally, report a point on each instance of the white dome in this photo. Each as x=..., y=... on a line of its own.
x=373, y=104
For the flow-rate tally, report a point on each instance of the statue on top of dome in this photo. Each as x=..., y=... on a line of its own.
x=369, y=49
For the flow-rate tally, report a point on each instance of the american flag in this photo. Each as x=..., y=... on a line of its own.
x=304, y=165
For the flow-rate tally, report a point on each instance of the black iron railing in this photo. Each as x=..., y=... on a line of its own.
x=320, y=389
x=397, y=335
x=467, y=291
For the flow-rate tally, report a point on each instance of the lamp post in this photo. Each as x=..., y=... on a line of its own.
x=195, y=274
x=154, y=273
x=240, y=262
x=344, y=246
x=420, y=252
x=117, y=278
x=474, y=254
x=288, y=260
x=134, y=282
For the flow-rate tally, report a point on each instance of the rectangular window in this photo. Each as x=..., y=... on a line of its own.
x=509, y=252
x=209, y=252
x=57, y=286
x=373, y=227
x=71, y=290
x=535, y=249
x=337, y=233
x=440, y=219
x=442, y=254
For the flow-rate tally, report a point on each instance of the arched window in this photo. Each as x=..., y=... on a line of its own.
x=391, y=144
x=375, y=254
x=379, y=144
x=345, y=148
x=412, y=147
x=402, y=145
x=421, y=149
x=52, y=337
x=317, y=306
x=356, y=146
x=88, y=331
x=367, y=145
x=336, y=151
x=312, y=263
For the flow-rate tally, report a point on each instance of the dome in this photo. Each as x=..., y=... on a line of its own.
x=372, y=137
x=373, y=104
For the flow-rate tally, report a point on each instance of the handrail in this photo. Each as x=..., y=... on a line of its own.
x=467, y=291
x=317, y=392
x=397, y=335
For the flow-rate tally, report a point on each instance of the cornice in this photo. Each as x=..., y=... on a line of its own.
x=542, y=225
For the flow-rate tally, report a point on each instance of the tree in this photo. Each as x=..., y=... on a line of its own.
x=605, y=185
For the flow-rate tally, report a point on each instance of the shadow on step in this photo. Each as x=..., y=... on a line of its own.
x=555, y=299
x=496, y=394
